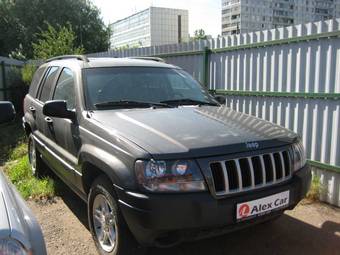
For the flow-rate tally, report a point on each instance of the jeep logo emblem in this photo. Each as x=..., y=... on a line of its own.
x=252, y=145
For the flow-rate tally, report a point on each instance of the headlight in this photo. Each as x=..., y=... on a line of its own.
x=169, y=176
x=298, y=156
x=10, y=246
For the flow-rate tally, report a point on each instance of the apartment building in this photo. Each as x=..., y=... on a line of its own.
x=242, y=16
x=151, y=27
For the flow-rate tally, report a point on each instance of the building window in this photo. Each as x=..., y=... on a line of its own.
x=179, y=28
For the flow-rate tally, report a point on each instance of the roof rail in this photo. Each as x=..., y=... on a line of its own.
x=79, y=57
x=149, y=58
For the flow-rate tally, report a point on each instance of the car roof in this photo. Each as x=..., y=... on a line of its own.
x=110, y=62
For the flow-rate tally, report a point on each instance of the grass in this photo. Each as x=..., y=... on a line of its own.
x=315, y=189
x=13, y=155
x=11, y=135
x=30, y=187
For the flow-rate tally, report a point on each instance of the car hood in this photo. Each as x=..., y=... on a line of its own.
x=193, y=131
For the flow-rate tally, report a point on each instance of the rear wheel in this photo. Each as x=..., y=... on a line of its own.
x=108, y=227
x=37, y=165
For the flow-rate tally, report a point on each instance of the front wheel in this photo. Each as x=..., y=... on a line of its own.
x=108, y=227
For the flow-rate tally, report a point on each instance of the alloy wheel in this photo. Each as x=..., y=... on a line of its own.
x=104, y=223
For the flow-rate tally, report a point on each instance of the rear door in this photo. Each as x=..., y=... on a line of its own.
x=43, y=94
x=31, y=99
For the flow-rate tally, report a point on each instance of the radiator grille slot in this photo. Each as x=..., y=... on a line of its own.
x=259, y=178
x=243, y=174
x=218, y=176
x=232, y=174
x=278, y=166
x=268, y=168
x=287, y=163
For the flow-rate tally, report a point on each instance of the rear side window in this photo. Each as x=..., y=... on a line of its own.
x=36, y=81
x=65, y=88
x=48, y=84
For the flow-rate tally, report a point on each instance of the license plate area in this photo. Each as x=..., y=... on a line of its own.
x=262, y=206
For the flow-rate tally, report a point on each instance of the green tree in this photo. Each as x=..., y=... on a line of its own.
x=22, y=20
x=56, y=42
x=10, y=29
x=200, y=35
x=51, y=42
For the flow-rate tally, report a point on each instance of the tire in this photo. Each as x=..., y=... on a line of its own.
x=106, y=221
x=38, y=167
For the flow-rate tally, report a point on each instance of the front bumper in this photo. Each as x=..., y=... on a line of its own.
x=167, y=219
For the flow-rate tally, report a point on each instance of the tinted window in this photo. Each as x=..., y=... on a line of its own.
x=36, y=81
x=48, y=83
x=65, y=88
x=141, y=84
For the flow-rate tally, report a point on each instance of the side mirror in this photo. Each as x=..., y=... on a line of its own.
x=7, y=112
x=58, y=109
x=220, y=99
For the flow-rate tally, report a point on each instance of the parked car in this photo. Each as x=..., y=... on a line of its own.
x=156, y=158
x=20, y=232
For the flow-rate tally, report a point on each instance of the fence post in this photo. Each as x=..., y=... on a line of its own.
x=206, y=70
x=3, y=71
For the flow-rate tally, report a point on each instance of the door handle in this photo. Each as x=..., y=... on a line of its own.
x=48, y=120
x=33, y=111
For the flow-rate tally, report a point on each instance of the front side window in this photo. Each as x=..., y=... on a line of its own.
x=65, y=88
x=141, y=84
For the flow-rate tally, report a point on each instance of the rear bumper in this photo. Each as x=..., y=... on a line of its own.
x=168, y=219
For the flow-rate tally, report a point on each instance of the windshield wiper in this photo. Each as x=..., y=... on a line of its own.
x=188, y=101
x=131, y=104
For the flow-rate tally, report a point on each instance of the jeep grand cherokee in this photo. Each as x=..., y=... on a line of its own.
x=156, y=158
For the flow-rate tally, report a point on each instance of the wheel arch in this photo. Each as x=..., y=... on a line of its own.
x=27, y=128
x=95, y=162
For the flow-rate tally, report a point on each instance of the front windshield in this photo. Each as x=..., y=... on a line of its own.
x=142, y=84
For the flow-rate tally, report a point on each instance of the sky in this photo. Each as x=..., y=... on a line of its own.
x=204, y=14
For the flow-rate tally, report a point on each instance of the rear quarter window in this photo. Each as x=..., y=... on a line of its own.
x=33, y=90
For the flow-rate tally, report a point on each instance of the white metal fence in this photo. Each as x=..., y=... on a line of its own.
x=290, y=76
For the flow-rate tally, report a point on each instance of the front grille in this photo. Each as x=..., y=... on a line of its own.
x=248, y=173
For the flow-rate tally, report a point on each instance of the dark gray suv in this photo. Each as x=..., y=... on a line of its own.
x=157, y=159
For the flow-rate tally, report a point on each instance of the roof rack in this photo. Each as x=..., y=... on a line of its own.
x=149, y=58
x=79, y=57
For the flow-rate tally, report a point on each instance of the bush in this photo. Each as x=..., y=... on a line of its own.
x=27, y=73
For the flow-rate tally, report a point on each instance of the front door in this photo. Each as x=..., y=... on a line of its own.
x=64, y=132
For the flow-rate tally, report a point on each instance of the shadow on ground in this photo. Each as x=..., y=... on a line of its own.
x=286, y=235
x=72, y=201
